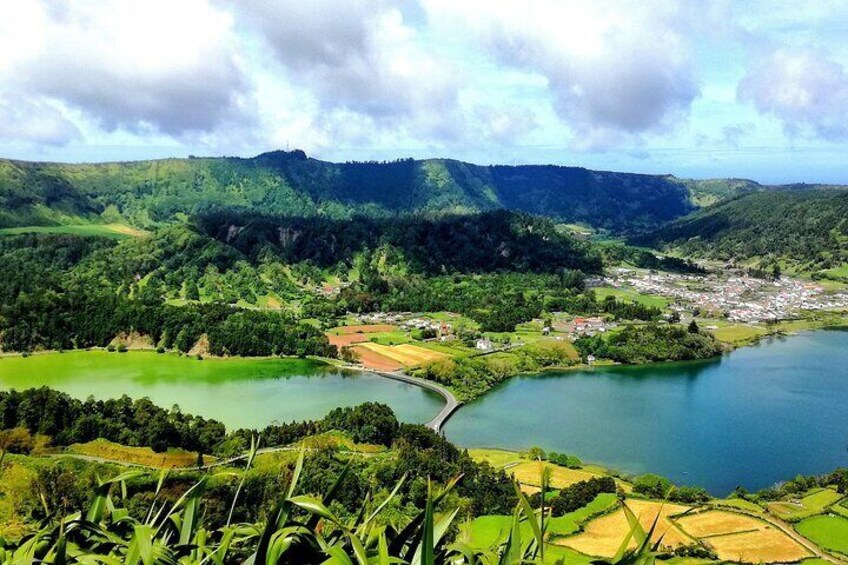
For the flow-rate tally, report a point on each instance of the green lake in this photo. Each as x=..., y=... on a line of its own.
x=239, y=392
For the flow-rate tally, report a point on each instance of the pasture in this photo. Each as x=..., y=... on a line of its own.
x=814, y=502
x=829, y=532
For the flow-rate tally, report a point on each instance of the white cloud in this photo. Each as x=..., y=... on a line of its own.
x=35, y=121
x=357, y=56
x=804, y=89
x=615, y=70
x=162, y=66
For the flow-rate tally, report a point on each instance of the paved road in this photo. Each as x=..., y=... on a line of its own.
x=451, y=403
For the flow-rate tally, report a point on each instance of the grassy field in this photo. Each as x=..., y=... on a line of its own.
x=631, y=295
x=497, y=458
x=738, y=334
x=830, y=532
x=739, y=503
x=814, y=502
x=119, y=231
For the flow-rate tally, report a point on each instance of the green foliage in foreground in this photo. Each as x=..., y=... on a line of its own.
x=301, y=529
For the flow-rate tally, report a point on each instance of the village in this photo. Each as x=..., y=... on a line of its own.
x=736, y=296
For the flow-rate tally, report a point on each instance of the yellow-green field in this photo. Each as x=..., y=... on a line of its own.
x=631, y=295
x=102, y=230
x=497, y=458
x=530, y=473
x=103, y=449
x=406, y=354
x=814, y=502
x=738, y=334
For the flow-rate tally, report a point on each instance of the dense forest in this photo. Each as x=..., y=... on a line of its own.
x=803, y=227
x=150, y=193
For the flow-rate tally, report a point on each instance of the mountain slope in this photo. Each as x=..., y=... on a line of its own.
x=805, y=227
x=147, y=193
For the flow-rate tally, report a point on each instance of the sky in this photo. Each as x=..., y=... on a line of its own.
x=751, y=89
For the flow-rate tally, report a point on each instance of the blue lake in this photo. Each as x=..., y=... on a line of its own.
x=754, y=417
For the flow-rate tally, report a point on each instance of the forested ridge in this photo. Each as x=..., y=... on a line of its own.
x=149, y=193
x=805, y=227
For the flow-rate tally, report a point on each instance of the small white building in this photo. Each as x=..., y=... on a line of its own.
x=590, y=359
x=484, y=344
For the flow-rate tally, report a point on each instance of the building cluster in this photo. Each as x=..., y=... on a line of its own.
x=738, y=297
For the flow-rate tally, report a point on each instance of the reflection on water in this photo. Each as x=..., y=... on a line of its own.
x=239, y=392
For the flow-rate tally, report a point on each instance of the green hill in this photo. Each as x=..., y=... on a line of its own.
x=148, y=193
x=805, y=227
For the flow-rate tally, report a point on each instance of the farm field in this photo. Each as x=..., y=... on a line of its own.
x=137, y=455
x=407, y=355
x=767, y=545
x=829, y=532
x=737, y=537
x=530, y=472
x=603, y=536
x=373, y=360
x=813, y=503
x=119, y=231
x=717, y=523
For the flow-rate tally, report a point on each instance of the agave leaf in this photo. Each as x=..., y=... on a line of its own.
x=192, y=508
x=101, y=494
x=315, y=507
x=254, y=446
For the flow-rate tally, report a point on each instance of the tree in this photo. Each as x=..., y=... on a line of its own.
x=536, y=453
x=15, y=440
x=693, y=327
